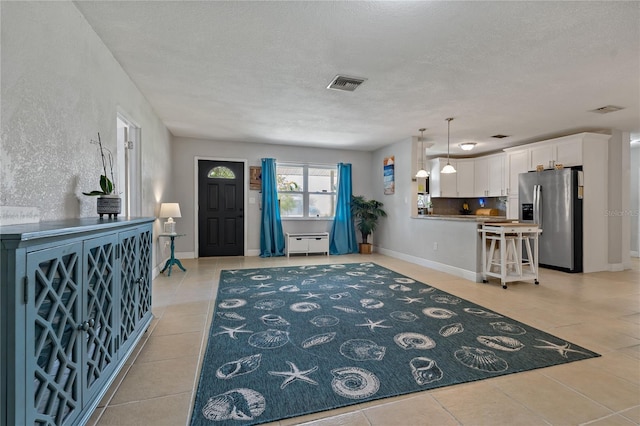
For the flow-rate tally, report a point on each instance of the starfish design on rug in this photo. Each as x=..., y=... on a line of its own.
x=263, y=285
x=311, y=295
x=561, y=349
x=373, y=324
x=410, y=300
x=377, y=276
x=295, y=374
x=231, y=331
x=356, y=286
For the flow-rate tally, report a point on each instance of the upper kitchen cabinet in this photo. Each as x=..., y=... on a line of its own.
x=489, y=176
x=442, y=184
x=452, y=185
x=464, y=178
x=566, y=150
x=517, y=162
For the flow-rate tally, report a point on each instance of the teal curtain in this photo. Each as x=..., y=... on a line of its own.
x=271, y=235
x=342, y=239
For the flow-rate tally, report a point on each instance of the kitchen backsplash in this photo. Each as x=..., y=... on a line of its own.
x=454, y=205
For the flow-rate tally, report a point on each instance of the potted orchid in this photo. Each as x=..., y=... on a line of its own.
x=109, y=202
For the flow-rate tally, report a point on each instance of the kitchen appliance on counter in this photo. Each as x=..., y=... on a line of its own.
x=553, y=200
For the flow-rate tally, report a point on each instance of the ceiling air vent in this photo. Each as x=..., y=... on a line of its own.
x=607, y=109
x=344, y=83
x=500, y=136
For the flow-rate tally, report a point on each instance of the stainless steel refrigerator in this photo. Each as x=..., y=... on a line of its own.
x=553, y=200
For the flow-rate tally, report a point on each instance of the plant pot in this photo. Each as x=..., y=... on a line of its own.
x=365, y=248
x=109, y=205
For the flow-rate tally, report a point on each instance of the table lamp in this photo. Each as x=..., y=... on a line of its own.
x=170, y=210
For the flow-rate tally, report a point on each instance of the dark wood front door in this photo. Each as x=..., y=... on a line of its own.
x=220, y=208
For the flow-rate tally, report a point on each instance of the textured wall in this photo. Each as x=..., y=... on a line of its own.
x=60, y=87
x=186, y=149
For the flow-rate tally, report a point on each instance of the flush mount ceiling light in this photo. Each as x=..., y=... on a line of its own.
x=448, y=168
x=467, y=146
x=422, y=173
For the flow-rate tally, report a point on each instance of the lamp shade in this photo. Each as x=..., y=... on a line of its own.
x=170, y=210
x=448, y=169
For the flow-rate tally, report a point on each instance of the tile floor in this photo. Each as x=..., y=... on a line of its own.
x=600, y=311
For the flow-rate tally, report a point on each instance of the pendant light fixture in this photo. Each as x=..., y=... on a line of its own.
x=422, y=173
x=448, y=168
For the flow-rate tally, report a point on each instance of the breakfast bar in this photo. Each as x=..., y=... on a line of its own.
x=448, y=243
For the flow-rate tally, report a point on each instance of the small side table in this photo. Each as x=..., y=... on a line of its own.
x=172, y=260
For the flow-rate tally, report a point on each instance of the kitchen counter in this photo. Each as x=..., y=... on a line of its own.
x=462, y=217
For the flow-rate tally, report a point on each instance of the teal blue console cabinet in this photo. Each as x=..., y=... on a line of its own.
x=75, y=298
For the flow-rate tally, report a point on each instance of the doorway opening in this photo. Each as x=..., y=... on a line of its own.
x=128, y=156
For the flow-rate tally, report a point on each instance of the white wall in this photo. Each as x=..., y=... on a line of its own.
x=634, y=200
x=60, y=87
x=185, y=150
x=618, y=201
x=401, y=236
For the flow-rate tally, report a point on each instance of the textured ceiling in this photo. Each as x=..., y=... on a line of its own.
x=258, y=71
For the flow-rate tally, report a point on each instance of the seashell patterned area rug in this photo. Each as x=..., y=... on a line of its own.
x=296, y=340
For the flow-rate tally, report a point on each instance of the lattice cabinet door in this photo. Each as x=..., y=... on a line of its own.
x=53, y=365
x=144, y=272
x=99, y=340
x=135, y=282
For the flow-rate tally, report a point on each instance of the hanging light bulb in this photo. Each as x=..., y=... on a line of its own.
x=448, y=168
x=422, y=173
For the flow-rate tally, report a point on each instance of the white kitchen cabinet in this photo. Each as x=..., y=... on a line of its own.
x=569, y=152
x=489, y=176
x=543, y=155
x=566, y=150
x=464, y=178
x=481, y=173
x=517, y=162
x=512, y=207
x=442, y=184
x=496, y=175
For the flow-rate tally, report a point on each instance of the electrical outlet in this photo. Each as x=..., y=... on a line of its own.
x=435, y=246
x=166, y=244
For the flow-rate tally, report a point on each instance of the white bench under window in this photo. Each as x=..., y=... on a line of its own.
x=308, y=242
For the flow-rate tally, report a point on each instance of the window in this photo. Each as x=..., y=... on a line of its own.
x=307, y=191
x=221, y=172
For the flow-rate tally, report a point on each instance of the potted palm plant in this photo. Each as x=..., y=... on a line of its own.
x=366, y=214
x=109, y=202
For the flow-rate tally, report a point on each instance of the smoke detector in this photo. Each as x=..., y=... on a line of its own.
x=346, y=84
x=606, y=109
x=500, y=136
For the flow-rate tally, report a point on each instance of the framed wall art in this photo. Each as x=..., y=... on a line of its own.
x=255, y=178
x=388, y=172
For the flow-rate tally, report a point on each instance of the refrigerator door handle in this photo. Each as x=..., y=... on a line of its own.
x=537, y=205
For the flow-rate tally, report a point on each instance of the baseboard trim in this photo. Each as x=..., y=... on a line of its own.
x=616, y=267
x=453, y=270
x=185, y=255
